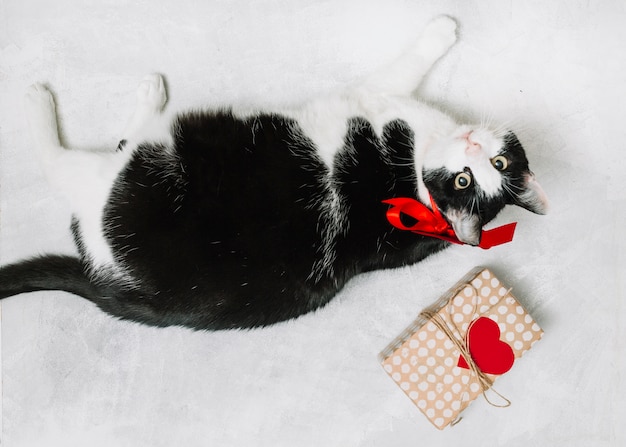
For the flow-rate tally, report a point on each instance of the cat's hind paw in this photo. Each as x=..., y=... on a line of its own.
x=39, y=99
x=151, y=93
x=41, y=114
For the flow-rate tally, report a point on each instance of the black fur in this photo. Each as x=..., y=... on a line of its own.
x=233, y=236
x=440, y=184
x=232, y=228
x=53, y=272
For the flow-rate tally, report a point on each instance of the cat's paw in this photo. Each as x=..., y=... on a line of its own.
x=438, y=36
x=39, y=100
x=151, y=93
x=41, y=115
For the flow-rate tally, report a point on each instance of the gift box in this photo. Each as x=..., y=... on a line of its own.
x=456, y=348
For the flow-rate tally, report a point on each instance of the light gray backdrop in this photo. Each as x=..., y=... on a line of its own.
x=554, y=71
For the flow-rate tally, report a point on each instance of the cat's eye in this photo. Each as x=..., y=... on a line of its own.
x=499, y=162
x=462, y=180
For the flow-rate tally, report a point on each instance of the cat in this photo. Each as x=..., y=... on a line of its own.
x=225, y=219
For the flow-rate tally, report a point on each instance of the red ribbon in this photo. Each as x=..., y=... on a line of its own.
x=432, y=224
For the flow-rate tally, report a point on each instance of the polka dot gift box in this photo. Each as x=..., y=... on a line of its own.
x=456, y=348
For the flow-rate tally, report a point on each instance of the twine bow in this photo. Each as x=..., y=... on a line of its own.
x=431, y=223
x=461, y=344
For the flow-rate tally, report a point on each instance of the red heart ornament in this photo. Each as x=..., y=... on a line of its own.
x=491, y=355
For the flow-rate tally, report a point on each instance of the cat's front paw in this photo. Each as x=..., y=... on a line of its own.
x=438, y=36
x=151, y=92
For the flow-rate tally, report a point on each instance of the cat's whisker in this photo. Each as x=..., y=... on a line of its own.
x=226, y=219
x=509, y=187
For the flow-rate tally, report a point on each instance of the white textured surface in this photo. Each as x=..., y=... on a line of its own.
x=554, y=71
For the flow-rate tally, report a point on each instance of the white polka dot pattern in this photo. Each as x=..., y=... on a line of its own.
x=424, y=362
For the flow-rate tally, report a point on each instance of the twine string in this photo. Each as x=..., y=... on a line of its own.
x=484, y=380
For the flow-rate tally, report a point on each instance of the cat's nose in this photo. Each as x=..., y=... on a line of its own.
x=473, y=147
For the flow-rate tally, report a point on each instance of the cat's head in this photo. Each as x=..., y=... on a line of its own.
x=473, y=173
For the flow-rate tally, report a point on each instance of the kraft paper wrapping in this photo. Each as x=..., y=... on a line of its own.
x=423, y=360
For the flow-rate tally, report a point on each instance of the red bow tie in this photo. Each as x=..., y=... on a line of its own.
x=431, y=223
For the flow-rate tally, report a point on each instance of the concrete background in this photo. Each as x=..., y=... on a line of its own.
x=552, y=70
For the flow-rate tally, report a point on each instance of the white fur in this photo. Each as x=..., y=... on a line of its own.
x=87, y=178
x=453, y=153
x=407, y=72
x=382, y=97
x=148, y=123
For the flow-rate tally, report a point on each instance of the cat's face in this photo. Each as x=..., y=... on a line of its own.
x=473, y=173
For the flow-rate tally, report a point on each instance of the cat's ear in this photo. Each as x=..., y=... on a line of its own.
x=466, y=226
x=533, y=198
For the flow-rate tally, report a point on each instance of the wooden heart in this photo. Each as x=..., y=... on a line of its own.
x=491, y=355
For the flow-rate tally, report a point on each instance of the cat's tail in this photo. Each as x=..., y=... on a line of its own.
x=49, y=272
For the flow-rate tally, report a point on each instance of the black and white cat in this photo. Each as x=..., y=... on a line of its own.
x=226, y=219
